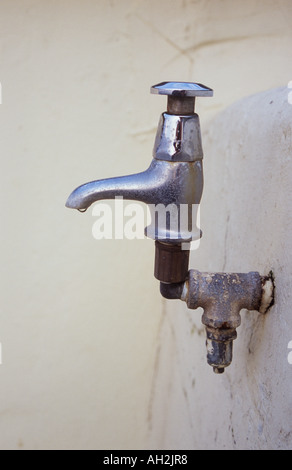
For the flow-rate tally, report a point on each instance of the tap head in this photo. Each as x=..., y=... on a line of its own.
x=178, y=136
x=181, y=95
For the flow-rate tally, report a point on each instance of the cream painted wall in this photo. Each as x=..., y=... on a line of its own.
x=80, y=319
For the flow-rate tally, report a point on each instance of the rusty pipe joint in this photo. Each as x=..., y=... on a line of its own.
x=222, y=296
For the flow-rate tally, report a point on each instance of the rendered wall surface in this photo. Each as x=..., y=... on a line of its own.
x=246, y=220
x=80, y=319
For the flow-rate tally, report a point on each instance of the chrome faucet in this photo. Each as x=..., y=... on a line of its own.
x=174, y=182
x=175, y=173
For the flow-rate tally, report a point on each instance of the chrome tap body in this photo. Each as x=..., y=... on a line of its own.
x=175, y=175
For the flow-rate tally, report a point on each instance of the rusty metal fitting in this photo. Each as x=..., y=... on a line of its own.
x=222, y=296
x=180, y=106
x=219, y=344
x=171, y=290
x=171, y=262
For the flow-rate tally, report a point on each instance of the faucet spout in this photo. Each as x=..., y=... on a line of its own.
x=170, y=185
x=135, y=187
